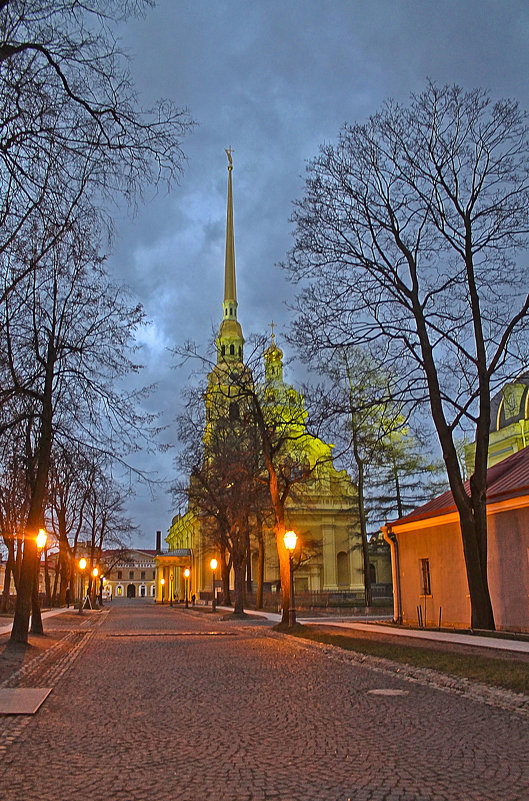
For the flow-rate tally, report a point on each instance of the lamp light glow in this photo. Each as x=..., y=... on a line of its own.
x=290, y=540
x=187, y=572
x=82, y=563
x=41, y=538
x=213, y=564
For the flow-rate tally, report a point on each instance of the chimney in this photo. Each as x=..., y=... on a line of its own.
x=158, y=542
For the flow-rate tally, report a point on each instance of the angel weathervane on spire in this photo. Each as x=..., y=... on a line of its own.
x=228, y=152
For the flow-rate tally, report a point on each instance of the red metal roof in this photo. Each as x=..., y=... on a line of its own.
x=507, y=479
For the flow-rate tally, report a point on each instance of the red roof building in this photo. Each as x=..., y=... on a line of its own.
x=429, y=575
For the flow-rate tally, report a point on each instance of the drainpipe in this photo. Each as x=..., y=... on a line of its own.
x=390, y=537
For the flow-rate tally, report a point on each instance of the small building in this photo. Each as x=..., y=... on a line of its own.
x=128, y=573
x=429, y=575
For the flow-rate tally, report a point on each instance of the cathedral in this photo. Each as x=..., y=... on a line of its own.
x=322, y=511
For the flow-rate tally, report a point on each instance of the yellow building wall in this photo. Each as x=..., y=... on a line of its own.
x=443, y=547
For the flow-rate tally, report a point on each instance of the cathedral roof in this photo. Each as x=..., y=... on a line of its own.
x=510, y=404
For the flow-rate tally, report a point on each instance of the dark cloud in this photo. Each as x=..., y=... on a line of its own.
x=274, y=80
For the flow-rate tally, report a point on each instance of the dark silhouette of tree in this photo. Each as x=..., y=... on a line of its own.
x=410, y=238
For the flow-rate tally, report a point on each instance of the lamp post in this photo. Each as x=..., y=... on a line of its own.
x=42, y=538
x=187, y=573
x=290, y=540
x=171, y=588
x=162, y=582
x=82, y=568
x=213, y=566
x=95, y=574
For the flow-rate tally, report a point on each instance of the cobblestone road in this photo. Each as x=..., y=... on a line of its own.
x=163, y=704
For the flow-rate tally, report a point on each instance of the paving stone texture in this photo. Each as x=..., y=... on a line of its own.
x=150, y=702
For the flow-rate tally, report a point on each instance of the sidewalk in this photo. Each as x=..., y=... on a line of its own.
x=496, y=643
x=6, y=628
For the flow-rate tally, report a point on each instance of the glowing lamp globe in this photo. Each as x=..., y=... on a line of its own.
x=82, y=563
x=290, y=540
x=187, y=572
x=213, y=564
x=41, y=538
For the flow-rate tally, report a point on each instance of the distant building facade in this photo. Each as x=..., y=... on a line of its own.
x=129, y=573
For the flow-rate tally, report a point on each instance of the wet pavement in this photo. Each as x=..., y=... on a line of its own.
x=154, y=702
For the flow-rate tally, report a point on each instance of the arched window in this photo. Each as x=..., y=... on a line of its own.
x=240, y=351
x=372, y=573
x=223, y=350
x=342, y=561
x=234, y=411
x=232, y=350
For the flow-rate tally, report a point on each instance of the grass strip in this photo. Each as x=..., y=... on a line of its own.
x=511, y=675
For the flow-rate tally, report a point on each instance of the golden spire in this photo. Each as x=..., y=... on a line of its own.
x=230, y=340
x=230, y=289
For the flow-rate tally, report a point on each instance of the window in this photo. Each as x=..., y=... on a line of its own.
x=240, y=351
x=234, y=411
x=143, y=575
x=223, y=350
x=425, y=577
x=154, y=575
x=372, y=573
x=120, y=574
x=232, y=350
x=131, y=575
x=343, y=569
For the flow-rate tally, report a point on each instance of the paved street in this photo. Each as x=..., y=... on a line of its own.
x=161, y=703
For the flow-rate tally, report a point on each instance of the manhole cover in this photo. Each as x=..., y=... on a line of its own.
x=385, y=691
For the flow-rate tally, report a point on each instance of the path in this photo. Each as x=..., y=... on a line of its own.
x=164, y=703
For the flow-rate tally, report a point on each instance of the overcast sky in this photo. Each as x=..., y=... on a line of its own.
x=274, y=79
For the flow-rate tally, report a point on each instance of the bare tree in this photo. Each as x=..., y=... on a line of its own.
x=71, y=127
x=410, y=238
x=68, y=338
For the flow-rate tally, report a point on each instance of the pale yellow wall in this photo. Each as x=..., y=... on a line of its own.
x=508, y=544
x=508, y=572
x=449, y=589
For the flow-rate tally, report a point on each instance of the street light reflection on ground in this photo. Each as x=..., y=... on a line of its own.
x=290, y=540
x=213, y=566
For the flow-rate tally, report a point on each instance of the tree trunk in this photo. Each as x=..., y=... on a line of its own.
x=7, y=587
x=225, y=575
x=260, y=572
x=238, y=575
x=26, y=600
x=47, y=582
x=361, y=512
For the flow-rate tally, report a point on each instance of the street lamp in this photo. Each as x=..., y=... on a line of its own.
x=290, y=540
x=82, y=568
x=162, y=582
x=41, y=544
x=95, y=574
x=213, y=566
x=187, y=573
x=41, y=539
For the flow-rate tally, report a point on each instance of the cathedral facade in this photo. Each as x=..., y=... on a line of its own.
x=321, y=509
